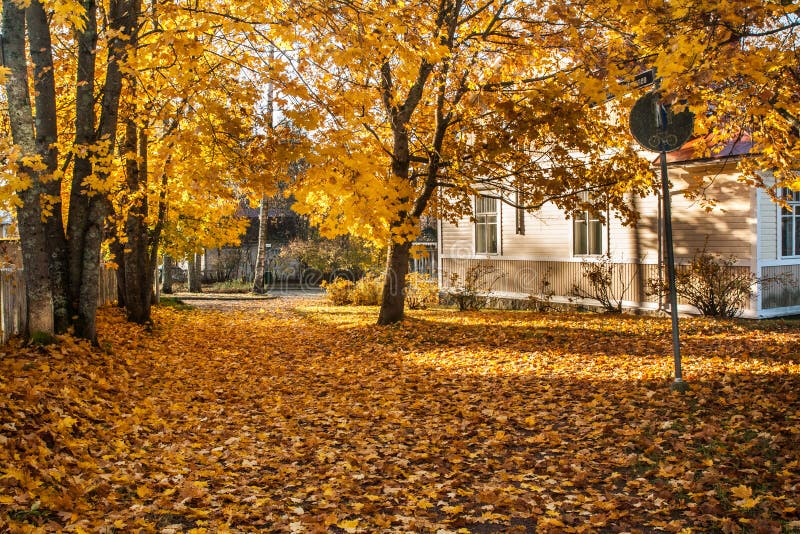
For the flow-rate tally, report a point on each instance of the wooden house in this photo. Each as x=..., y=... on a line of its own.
x=526, y=249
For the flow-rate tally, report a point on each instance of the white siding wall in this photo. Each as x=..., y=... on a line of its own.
x=637, y=243
x=727, y=229
x=767, y=227
x=457, y=239
x=548, y=234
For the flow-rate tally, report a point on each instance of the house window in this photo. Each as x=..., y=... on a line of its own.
x=790, y=224
x=587, y=233
x=485, y=225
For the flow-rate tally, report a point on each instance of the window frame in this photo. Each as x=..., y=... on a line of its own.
x=792, y=199
x=481, y=224
x=588, y=219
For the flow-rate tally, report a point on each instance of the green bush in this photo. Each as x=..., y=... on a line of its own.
x=421, y=291
x=344, y=254
x=339, y=292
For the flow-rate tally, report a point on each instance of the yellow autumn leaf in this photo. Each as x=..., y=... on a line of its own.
x=424, y=504
x=741, y=492
x=453, y=510
x=349, y=525
x=747, y=503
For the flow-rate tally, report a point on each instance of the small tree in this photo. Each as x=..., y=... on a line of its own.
x=344, y=255
x=712, y=284
x=472, y=293
x=600, y=276
x=541, y=299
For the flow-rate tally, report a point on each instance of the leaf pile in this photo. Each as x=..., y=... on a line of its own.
x=293, y=417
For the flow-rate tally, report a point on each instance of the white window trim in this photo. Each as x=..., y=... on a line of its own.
x=499, y=229
x=604, y=244
x=779, y=224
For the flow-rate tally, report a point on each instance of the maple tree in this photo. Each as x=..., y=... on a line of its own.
x=174, y=169
x=191, y=126
x=735, y=64
x=61, y=260
x=421, y=106
x=448, y=422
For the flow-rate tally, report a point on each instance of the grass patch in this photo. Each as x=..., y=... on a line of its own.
x=174, y=303
x=229, y=286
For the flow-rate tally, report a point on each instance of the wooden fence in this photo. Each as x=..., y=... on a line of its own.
x=13, y=310
x=12, y=304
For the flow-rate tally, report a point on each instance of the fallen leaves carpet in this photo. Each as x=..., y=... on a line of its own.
x=290, y=416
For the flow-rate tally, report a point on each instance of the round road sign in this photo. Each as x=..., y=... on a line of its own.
x=656, y=127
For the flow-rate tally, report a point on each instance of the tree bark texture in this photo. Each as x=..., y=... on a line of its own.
x=62, y=266
x=194, y=274
x=117, y=250
x=166, y=275
x=138, y=275
x=79, y=204
x=261, y=254
x=87, y=217
x=41, y=52
x=393, y=299
x=32, y=233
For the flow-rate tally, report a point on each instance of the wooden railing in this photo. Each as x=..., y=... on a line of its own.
x=13, y=311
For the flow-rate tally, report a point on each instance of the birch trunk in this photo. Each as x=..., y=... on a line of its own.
x=261, y=254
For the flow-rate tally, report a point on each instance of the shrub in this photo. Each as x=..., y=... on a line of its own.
x=421, y=291
x=712, y=284
x=368, y=291
x=541, y=299
x=338, y=292
x=600, y=277
x=471, y=293
x=328, y=258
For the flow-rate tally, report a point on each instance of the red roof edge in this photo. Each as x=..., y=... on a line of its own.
x=740, y=146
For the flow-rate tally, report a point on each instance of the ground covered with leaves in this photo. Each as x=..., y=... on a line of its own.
x=290, y=416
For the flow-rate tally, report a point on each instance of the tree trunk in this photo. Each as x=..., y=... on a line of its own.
x=67, y=264
x=88, y=210
x=261, y=254
x=194, y=274
x=138, y=276
x=263, y=212
x=166, y=275
x=29, y=216
x=394, y=284
x=117, y=250
x=78, y=221
x=41, y=52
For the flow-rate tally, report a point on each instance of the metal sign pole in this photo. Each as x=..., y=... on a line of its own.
x=657, y=128
x=679, y=384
